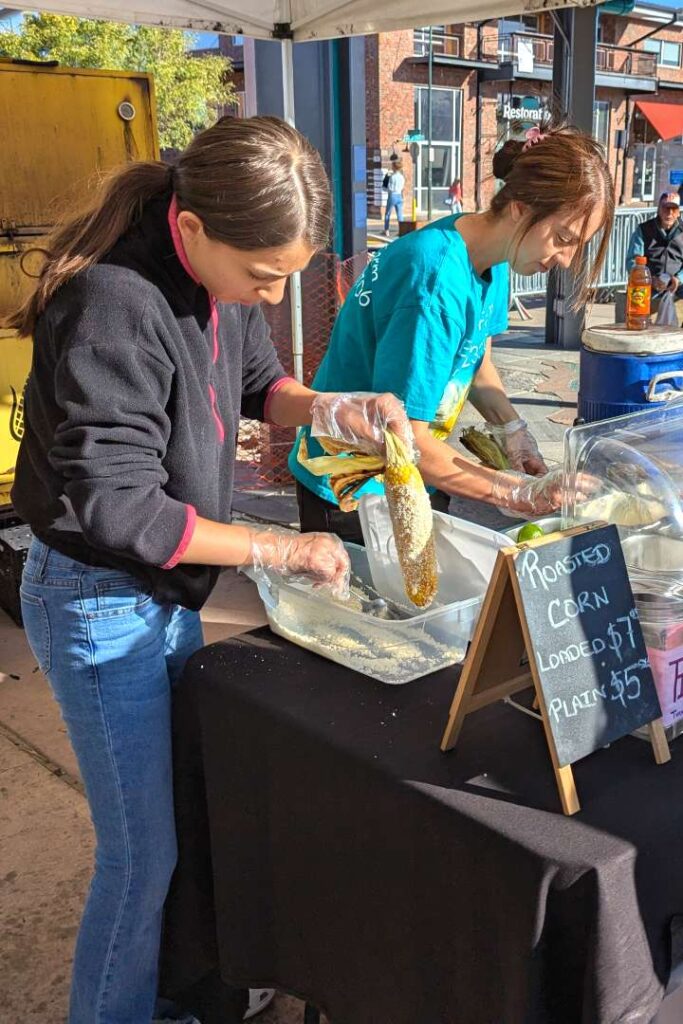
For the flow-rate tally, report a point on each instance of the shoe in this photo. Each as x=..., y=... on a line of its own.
x=387, y=234
x=259, y=999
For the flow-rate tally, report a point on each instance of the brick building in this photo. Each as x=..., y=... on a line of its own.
x=493, y=80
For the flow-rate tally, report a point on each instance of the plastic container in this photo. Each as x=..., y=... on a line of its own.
x=393, y=651
x=655, y=565
x=638, y=295
x=635, y=466
x=634, y=469
x=465, y=553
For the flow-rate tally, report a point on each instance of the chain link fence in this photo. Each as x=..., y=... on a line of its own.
x=262, y=448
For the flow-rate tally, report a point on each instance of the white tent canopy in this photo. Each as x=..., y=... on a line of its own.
x=305, y=19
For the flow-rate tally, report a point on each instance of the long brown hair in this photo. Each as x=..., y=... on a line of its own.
x=255, y=183
x=566, y=169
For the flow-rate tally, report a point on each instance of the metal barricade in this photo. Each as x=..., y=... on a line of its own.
x=613, y=273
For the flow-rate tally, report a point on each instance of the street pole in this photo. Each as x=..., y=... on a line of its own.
x=295, y=295
x=573, y=95
x=429, y=128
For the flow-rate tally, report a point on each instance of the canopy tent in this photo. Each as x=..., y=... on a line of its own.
x=295, y=19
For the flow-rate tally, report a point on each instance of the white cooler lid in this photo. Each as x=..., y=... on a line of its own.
x=655, y=341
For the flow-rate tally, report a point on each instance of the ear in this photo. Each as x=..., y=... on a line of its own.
x=190, y=226
x=518, y=211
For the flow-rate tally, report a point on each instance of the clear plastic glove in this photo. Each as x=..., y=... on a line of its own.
x=520, y=446
x=527, y=496
x=317, y=558
x=359, y=419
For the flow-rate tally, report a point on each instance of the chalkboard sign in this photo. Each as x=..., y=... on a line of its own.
x=559, y=615
x=587, y=643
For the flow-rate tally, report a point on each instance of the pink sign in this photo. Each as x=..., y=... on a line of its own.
x=667, y=669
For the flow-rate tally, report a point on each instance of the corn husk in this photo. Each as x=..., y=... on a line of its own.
x=485, y=448
x=348, y=469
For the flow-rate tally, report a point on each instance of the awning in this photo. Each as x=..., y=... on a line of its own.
x=665, y=118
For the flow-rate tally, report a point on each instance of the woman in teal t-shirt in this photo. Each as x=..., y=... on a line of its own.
x=419, y=321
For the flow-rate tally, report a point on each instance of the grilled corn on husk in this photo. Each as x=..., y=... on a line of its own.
x=485, y=447
x=409, y=505
x=411, y=518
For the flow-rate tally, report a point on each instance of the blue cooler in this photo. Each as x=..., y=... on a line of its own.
x=628, y=371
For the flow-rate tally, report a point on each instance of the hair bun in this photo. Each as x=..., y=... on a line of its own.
x=504, y=158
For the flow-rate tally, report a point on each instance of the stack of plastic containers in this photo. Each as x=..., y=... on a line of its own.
x=629, y=471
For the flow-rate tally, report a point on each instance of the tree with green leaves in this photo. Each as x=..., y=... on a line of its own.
x=190, y=91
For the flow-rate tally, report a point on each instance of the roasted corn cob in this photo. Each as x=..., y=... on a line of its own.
x=485, y=447
x=411, y=518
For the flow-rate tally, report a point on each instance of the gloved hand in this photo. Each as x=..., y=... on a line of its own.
x=522, y=495
x=318, y=558
x=520, y=446
x=359, y=419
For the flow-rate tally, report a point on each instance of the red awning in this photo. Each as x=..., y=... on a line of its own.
x=665, y=118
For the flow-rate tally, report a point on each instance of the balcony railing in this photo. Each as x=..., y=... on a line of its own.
x=442, y=42
x=514, y=46
x=611, y=60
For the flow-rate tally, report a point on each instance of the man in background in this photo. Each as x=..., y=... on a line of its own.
x=660, y=240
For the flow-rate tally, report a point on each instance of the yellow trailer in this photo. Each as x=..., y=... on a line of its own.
x=61, y=129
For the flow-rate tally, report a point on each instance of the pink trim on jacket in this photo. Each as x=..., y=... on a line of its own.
x=272, y=391
x=220, y=429
x=190, y=523
x=214, y=321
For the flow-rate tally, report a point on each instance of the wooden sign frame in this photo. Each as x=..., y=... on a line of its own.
x=490, y=673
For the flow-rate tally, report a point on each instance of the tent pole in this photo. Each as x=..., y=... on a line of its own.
x=295, y=299
x=430, y=73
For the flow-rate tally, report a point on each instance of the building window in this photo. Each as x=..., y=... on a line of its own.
x=238, y=40
x=668, y=54
x=421, y=40
x=644, y=172
x=440, y=162
x=601, y=112
x=524, y=23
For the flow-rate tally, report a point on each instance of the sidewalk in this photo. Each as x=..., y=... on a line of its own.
x=45, y=831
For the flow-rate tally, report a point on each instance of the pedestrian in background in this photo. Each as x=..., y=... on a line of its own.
x=660, y=240
x=455, y=196
x=395, y=183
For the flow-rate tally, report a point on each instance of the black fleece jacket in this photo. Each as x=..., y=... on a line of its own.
x=132, y=410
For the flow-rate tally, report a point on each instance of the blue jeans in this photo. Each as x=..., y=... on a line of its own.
x=394, y=202
x=112, y=654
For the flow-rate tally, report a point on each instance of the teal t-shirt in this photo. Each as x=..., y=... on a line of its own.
x=415, y=323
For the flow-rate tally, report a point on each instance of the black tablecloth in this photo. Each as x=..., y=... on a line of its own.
x=329, y=848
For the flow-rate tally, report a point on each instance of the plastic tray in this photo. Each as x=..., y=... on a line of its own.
x=393, y=651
